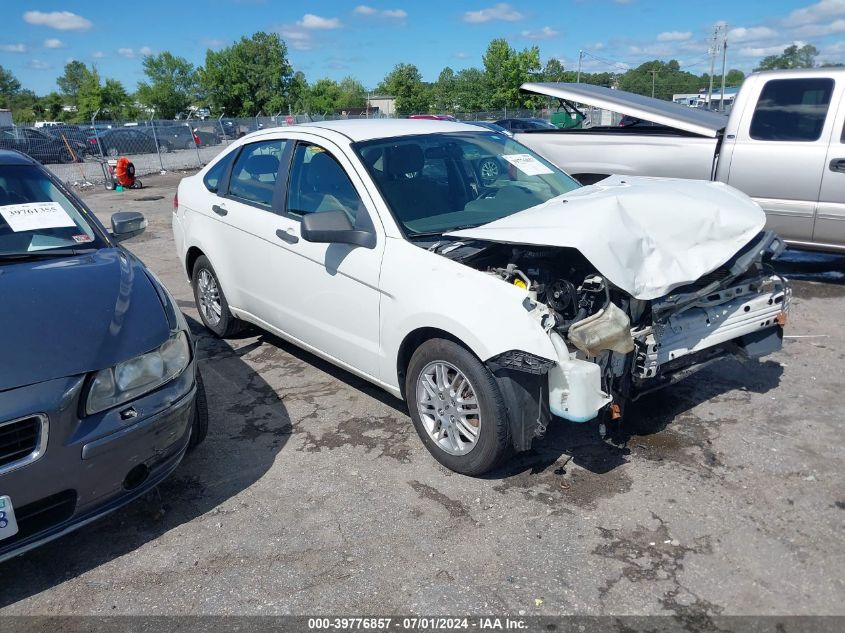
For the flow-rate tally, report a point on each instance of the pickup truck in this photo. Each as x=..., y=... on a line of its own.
x=783, y=144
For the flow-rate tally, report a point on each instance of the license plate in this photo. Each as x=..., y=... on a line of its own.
x=8, y=524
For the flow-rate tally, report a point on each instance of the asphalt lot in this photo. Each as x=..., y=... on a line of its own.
x=313, y=494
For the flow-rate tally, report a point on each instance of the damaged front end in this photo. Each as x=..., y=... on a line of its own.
x=612, y=347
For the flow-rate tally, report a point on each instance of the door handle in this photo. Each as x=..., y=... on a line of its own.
x=837, y=164
x=218, y=209
x=287, y=237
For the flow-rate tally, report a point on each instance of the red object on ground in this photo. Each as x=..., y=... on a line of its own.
x=125, y=172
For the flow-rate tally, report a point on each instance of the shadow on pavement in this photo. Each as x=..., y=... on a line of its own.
x=248, y=427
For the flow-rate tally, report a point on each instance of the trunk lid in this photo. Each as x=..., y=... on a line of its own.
x=674, y=115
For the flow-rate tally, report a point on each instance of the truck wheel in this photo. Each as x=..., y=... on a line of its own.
x=211, y=302
x=457, y=408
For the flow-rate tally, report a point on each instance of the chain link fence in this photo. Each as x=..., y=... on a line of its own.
x=78, y=153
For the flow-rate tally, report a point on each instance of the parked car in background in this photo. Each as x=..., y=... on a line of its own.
x=76, y=135
x=120, y=141
x=488, y=305
x=175, y=136
x=783, y=144
x=433, y=117
x=100, y=395
x=630, y=121
x=230, y=129
x=520, y=125
x=489, y=125
x=40, y=146
x=206, y=137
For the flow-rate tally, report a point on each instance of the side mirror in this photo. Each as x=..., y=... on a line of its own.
x=334, y=227
x=127, y=224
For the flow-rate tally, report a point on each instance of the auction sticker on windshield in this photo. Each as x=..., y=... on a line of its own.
x=527, y=164
x=8, y=524
x=33, y=216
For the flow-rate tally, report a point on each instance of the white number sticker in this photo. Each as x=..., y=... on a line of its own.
x=35, y=215
x=527, y=164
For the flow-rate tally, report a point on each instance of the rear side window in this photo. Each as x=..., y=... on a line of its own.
x=255, y=171
x=212, y=177
x=792, y=109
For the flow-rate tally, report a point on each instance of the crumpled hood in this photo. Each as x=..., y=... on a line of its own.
x=62, y=317
x=646, y=235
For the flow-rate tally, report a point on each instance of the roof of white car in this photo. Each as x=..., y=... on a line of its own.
x=368, y=129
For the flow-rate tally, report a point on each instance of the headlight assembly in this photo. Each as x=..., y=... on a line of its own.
x=137, y=376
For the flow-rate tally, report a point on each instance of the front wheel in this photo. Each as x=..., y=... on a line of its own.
x=457, y=408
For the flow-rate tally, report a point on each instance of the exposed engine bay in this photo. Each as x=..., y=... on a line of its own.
x=612, y=347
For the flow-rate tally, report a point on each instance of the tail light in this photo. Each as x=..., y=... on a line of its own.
x=93, y=141
x=197, y=139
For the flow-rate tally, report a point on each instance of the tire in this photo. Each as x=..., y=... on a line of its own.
x=455, y=447
x=113, y=152
x=489, y=171
x=226, y=324
x=199, y=416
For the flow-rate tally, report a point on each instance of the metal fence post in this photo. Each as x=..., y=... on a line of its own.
x=220, y=123
x=155, y=140
x=96, y=134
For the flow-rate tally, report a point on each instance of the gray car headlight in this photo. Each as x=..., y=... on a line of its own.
x=137, y=376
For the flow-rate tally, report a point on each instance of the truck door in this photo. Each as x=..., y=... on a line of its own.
x=780, y=150
x=830, y=216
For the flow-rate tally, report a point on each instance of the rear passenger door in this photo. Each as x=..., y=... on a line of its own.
x=830, y=217
x=780, y=151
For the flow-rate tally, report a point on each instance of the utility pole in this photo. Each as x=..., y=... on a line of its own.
x=724, y=68
x=580, y=57
x=713, y=49
x=653, y=77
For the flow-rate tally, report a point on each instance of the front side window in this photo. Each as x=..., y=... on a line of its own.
x=212, y=177
x=435, y=183
x=791, y=110
x=318, y=183
x=255, y=171
x=35, y=215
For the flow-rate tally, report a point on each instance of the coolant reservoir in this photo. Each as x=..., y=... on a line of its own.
x=574, y=386
x=607, y=329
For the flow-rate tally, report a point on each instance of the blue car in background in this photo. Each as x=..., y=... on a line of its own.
x=100, y=396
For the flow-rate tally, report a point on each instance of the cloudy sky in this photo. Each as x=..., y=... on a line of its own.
x=335, y=38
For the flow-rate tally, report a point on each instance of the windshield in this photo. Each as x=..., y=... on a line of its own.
x=435, y=183
x=36, y=216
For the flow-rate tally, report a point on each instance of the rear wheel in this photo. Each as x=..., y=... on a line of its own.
x=211, y=302
x=457, y=408
x=112, y=151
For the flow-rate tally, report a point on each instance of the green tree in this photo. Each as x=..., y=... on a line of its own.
x=172, y=84
x=323, y=96
x=405, y=83
x=50, y=107
x=249, y=76
x=352, y=94
x=471, y=90
x=116, y=102
x=298, y=92
x=88, y=97
x=506, y=70
x=553, y=71
x=664, y=78
x=792, y=57
x=444, y=92
x=75, y=75
x=9, y=87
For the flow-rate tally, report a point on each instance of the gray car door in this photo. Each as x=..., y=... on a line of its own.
x=780, y=149
x=830, y=216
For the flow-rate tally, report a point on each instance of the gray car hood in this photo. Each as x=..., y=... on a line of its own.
x=646, y=235
x=68, y=316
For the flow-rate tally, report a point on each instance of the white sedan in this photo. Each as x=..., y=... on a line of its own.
x=492, y=300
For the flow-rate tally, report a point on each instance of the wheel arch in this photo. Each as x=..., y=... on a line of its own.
x=412, y=341
x=191, y=257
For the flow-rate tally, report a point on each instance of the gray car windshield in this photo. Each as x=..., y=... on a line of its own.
x=435, y=183
x=36, y=216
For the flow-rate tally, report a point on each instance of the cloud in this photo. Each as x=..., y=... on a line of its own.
x=98, y=55
x=821, y=30
x=128, y=53
x=461, y=55
x=501, y=11
x=297, y=39
x=53, y=43
x=390, y=14
x=818, y=13
x=750, y=34
x=545, y=33
x=145, y=50
x=311, y=21
x=37, y=64
x=674, y=36
x=61, y=20
x=763, y=51
x=13, y=48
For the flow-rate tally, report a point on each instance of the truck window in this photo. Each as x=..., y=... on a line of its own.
x=792, y=109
